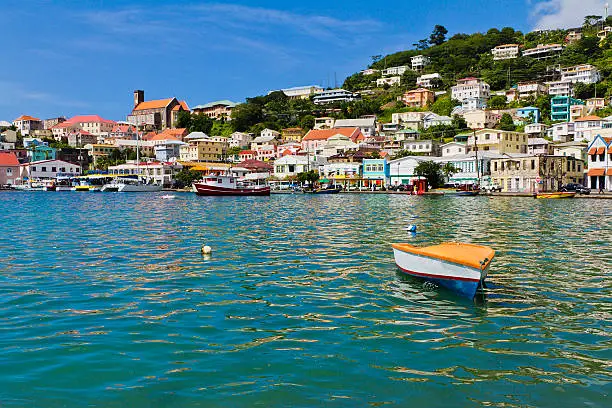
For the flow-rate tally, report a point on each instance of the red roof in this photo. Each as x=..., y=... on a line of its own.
x=248, y=152
x=324, y=134
x=8, y=159
x=182, y=104
x=253, y=164
x=87, y=119
x=155, y=104
x=123, y=128
x=27, y=117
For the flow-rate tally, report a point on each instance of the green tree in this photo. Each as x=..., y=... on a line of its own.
x=438, y=35
x=232, y=151
x=506, y=122
x=186, y=177
x=497, y=102
x=246, y=115
x=408, y=79
x=201, y=123
x=183, y=120
x=431, y=171
x=449, y=170
x=307, y=122
x=310, y=177
x=444, y=105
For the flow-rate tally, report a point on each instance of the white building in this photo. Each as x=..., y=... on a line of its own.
x=270, y=133
x=599, y=175
x=302, y=92
x=587, y=127
x=341, y=171
x=480, y=119
x=419, y=62
x=337, y=144
x=543, y=51
x=561, y=132
x=471, y=88
x=167, y=150
x=536, y=129
x=395, y=71
x=158, y=172
x=423, y=146
x=577, y=150
x=531, y=88
x=48, y=169
x=433, y=119
x=473, y=103
x=366, y=125
x=409, y=120
x=288, y=166
x=453, y=149
x=401, y=171
x=586, y=73
x=505, y=51
x=394, y=80
x=265, y=146
x=369, y=71
x=537, y=145
x=324, y=123
x=560, y=88
x=240, y=139
x=429, y=80
x=335, y=95
x=26, y=124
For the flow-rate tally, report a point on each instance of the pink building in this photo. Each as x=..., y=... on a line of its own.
x=9, y=168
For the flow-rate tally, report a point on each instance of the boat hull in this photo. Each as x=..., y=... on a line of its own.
x=468, y=193
x=208, y=190
x=555, y=195
x=462, y=279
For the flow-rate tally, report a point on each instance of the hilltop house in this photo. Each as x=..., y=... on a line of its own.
x=26, y=124
x=157, y=114
x=216, y=110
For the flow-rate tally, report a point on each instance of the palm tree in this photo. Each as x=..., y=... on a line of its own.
x=449, y=170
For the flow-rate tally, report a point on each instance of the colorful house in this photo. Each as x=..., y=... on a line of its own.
x=9, y=168
x=599, y=175
x=560, y=107
x=376, y=171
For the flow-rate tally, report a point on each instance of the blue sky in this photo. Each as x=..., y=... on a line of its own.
x=87, y=56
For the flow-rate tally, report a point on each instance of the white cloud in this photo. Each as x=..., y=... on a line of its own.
x=550, y=14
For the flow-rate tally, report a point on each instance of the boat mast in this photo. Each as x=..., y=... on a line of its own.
x=476, y=158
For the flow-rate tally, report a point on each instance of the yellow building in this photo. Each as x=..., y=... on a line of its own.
x=203, y=150
x=501, y=141
x=292, y=134
x=534, y=173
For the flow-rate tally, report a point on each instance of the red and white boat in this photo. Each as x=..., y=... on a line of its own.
x=228, y=186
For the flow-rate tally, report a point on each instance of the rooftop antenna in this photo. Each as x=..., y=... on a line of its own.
x=606, y=11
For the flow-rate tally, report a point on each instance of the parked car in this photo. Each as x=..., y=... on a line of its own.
x=576, y=187
x=491, y=187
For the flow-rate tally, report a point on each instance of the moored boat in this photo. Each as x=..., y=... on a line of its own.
x=460, y=267
x=557, y=194
x=130, y=185
x=224, y=185
x=327, y=190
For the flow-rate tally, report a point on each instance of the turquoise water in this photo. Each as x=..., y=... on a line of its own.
x=106, y=300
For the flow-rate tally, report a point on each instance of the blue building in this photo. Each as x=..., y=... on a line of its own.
x=529, y=112
x=376, y=171
x=560, y=107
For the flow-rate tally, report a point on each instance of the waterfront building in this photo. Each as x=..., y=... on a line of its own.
x=49, y=123
x=480, y=119
x=453, y=149
x=500, y=141
x=342, y=172
x=573, y=149
x=240, y=139
x=536, y=173
x=9, y=168
x=5, y=124
x=401, y=171
x=26, y=124
x=161, y=173
x=301, y=92
x=294, y=134
x=156, y=114
x=429, y=80
x=471, y=88
x=315, y=139
x=529, y=112
x=168, y=150
x=417, y=98
x=324, y=123
x=595, y=104
x=48, y=169
x=560, y=107
x=265, y=147
x=530, y=89
x=536, y=129
x=291, y=166
x=599, y=175
x=367, y=125
x=470, y=170
x=585, y=73
x=217, y=110
x=561, y=132
x=542, y=51
x=395, y=71
x=505, y=51
x=391, y=81
x=335, y=96
x=560, y=88
x=418, y=62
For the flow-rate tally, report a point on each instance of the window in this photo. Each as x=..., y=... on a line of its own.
x=219, y=181
x=44, y=168
x=53, y=169
x=9, y=172
x=532, y=164
x=494, y=166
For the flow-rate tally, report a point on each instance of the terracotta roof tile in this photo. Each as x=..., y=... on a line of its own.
x=587, y=118
x=27, y=117
x=8, y=159
x=324, y=134
x=155, y=104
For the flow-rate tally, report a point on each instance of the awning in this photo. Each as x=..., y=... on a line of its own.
x=324, y=181
x=609, y=172
x=595, y=172
x=610, y=149
x=601, y=150
x=592, y=150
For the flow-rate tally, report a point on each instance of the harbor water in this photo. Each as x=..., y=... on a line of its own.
x=107, y=300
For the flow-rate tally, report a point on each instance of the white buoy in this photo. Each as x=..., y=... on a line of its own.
x=206, y=249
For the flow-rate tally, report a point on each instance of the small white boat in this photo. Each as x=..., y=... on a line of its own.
x=168, y=197
x=457, y=266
